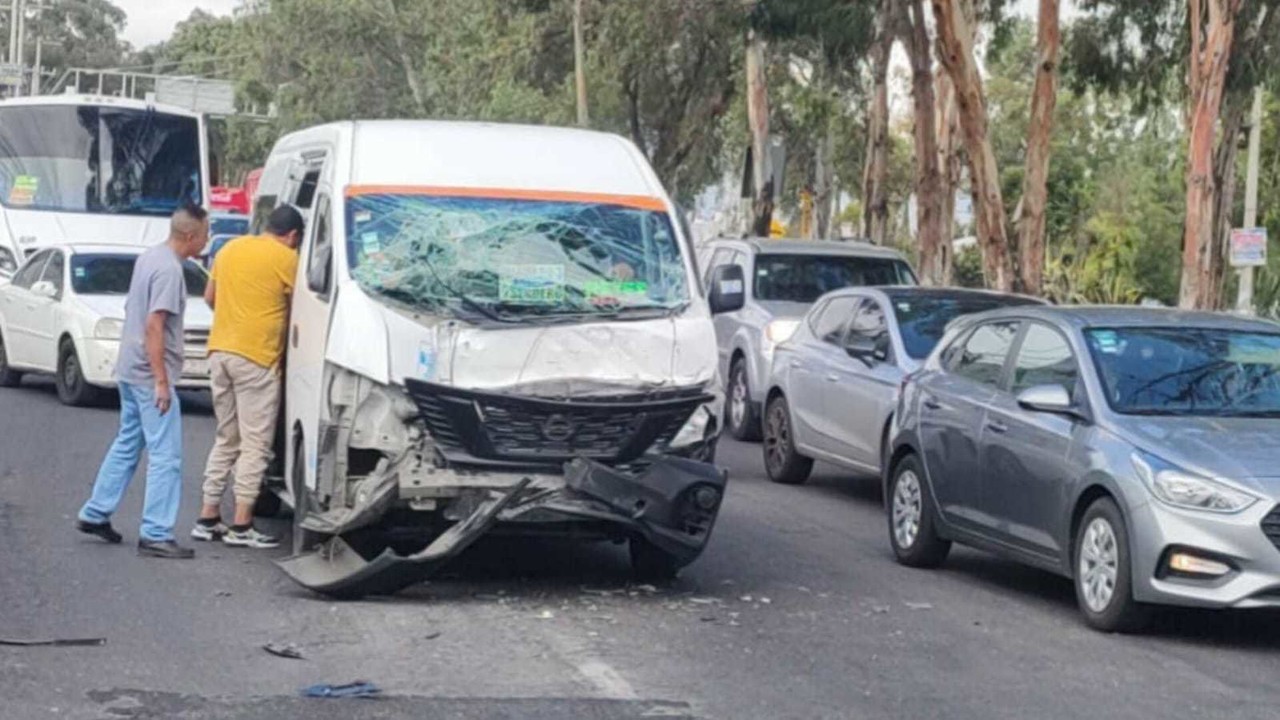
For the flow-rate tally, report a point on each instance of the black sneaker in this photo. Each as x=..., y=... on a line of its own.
x=100, y=530
x=164, y=549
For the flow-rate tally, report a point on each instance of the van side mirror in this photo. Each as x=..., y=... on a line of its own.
x=728, y=289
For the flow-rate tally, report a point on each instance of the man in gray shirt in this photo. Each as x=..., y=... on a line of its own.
x=149, y=363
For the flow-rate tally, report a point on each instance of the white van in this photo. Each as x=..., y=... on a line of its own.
x=494, y=327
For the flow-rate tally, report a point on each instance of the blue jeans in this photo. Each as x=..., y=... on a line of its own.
x=142, y=425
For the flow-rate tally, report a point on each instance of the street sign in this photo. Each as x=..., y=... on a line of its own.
x=1248, y=247
x=11, y=75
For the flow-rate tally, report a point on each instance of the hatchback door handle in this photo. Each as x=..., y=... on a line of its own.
x=932, y=404
x=997, y=427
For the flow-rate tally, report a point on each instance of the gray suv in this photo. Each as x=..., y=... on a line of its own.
x=1131, y=450
x=783, y=278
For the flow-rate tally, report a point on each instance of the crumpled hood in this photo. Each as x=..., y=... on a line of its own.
x=390, y=345
x=31, y=229
x=197, y=317
x=1245, y=450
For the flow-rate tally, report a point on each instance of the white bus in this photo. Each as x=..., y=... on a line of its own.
x=91, y=169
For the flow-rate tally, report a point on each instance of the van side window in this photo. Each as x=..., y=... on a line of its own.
x=320, y=257
x=307, y=190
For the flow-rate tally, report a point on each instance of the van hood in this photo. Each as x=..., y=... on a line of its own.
x=1239, y=449
x=390, y=345
x=32, y=229
x=197, y=317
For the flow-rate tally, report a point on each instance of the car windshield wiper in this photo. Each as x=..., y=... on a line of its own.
x=1166, y=412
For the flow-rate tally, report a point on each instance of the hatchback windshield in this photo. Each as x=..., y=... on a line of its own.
x=98, y=159
x=103, y=274
x=1188, y=371
x=922, y=319
x=805, y=278
x=516, y=260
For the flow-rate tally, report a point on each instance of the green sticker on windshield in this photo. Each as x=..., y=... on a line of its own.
x=24, y=190
x=79, y=273
x=1107, y=341
x=531, y=284
x=371, y=243
x=615, y=292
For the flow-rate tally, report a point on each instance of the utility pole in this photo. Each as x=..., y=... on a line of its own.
x=1244, y=300
x=36, y=70
x=14, y=9
x=19, y=56
x=579, y=64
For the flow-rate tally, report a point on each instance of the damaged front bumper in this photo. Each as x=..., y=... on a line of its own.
x=603, y=468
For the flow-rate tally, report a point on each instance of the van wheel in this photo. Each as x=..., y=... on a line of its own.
x=913, y=532
x=1103, y=571
x=8, y=376
x=303, y=540
x=73, y=389
x=743, y=418
x=782, y=461
x=649, y=562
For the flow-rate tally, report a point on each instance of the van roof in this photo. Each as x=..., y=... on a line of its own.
x=426, y=153
x=95, y=100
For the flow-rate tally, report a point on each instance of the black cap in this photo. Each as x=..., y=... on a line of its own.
x=284, y=220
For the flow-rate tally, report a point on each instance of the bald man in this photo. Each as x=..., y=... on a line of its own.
x=149, y=363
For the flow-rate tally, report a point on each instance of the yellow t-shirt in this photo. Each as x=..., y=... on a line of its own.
x=253, y=277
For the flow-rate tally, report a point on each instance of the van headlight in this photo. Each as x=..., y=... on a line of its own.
x=700, y=426
x=1185, y=490
x=108, y=329
x=8, y=263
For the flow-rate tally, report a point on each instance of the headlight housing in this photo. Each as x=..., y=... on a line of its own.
x=1181, y=489
x=8, y=262
x=697, y=429
x=778, y=332
x=108, y=329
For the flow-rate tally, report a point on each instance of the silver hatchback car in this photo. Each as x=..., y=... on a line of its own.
x=784, y=277
x=1132, y=450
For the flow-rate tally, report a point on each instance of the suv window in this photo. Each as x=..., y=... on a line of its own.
x=984, y=353
x=829, y=322
x=30, y=273
x=1044, y=358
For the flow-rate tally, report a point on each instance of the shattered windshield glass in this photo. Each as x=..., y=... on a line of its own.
x=513, y=260
x=98, y=159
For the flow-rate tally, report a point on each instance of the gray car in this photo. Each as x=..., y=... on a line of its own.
x=834, y=382
x=783, y=278
x=1132, y=450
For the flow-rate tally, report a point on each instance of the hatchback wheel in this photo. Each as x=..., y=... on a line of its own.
x=1103, y=571
x=744, y=420
x=73, y=389
x=781, y=459
x=913, y=531
x=8, y=376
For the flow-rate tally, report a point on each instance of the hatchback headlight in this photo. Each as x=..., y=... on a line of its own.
x=108, y=329
x=1184, y=490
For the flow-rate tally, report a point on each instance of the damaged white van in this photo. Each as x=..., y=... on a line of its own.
x=496, y=328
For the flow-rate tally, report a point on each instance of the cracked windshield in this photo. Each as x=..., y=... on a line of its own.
x=516, y=260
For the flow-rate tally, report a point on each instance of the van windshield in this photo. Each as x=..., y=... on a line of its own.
x=516, y=260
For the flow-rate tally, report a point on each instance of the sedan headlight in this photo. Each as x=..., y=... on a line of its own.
x=1184, y=490
x=108, y=329
x=8, y=263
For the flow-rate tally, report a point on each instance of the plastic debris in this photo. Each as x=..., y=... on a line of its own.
x=546, y=615
x=283, y=650
x=432, y=636
x=357, y=689
x=54, y=642
x=919, y=605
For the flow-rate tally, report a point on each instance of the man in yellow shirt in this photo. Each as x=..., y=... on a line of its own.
x=249, y=292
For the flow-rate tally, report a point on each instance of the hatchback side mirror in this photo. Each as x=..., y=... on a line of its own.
x=1049, y=399
x=728, y=289
x=44, y=289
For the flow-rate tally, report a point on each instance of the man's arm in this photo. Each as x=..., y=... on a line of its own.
x=155, y=356
x=209, y=293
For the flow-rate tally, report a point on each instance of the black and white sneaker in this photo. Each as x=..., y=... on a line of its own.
x=208, y=533
x=249, y=538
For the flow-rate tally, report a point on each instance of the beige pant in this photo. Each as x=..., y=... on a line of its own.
x=246, y=402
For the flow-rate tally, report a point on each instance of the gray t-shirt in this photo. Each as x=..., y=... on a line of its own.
x=157, y=285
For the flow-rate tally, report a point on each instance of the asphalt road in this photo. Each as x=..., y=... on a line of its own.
x=796, y=611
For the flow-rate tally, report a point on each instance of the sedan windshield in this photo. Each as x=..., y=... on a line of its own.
x=1188, y=371
x=104, y=274
x=923, y=319
x=805, y=278
x=516, y=260
x=98, y=159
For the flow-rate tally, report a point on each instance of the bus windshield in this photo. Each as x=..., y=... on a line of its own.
x=93, y=159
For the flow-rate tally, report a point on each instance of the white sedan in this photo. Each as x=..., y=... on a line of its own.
x=63, y=312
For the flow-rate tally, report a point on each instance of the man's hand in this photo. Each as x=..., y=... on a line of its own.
x=164, y=398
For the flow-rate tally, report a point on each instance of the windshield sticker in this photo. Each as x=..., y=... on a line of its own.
x=363, y=217
x=1253, y=351
x=24, y=190
x=79, y=273
x=1107, y=341
x=370, y=243
x=426, y=360
x=531, y=284
x=615, y=292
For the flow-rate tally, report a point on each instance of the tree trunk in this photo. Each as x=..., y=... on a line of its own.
x=1035, y=190
x=1224, y=178
x=824, y=182
x=579, y=65
x=929, y=199
x=406, y=62
x=955, y=51
x=758, y=119
x=949, y=161
x=875, y=173
x=1210, y=55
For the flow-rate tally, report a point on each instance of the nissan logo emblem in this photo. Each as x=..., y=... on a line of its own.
x=558, y=428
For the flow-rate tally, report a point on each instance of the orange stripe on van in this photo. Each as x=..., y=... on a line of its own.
x=638, y=202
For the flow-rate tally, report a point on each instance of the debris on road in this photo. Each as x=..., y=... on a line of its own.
x=357, y=689
x=919, y=605
x=432, y=636
x=223, y=593
x=283, y=650
x=880, y=609
x=546, y=615
x=54, y=642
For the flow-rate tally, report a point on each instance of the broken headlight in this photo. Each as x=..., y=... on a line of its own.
x=700, y=428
